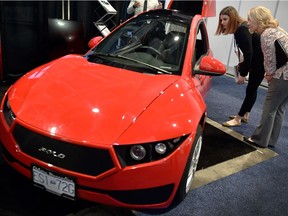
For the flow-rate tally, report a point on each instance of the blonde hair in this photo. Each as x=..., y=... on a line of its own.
x=234, y=21
x=262, y=17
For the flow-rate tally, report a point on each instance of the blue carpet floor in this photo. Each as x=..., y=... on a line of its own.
x=261, y=190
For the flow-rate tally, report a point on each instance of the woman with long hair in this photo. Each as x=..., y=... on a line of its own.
x=248, y=44
x=261, y=20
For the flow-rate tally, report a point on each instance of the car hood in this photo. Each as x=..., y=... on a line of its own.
x=74, y=99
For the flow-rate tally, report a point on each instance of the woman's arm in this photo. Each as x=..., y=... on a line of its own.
x=244, y=41
x=268, y=48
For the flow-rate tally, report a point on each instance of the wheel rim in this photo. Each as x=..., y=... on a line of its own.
x=194, y=163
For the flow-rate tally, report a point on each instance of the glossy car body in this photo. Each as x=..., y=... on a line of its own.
x=121, y=125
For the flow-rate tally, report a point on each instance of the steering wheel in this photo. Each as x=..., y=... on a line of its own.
x=154, y=51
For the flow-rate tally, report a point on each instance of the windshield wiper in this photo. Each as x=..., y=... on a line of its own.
x=129, y=47
x=109, y=55
x=100, y=55
x=159, y=70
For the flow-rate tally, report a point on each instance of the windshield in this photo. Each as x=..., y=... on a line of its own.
x=145, y=44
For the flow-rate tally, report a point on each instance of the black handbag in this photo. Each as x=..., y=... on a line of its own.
x=281, y=54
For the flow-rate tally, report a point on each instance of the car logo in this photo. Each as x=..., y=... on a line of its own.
x=52, y=153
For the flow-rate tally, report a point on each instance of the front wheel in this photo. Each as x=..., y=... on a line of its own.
x=190, y=168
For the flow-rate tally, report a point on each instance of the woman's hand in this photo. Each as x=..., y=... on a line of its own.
x=241, y=80
x=268, y=77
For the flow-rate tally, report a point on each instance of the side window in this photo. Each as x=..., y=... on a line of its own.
x=201, y=45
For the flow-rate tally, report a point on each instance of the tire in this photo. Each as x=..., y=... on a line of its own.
x=190, y=169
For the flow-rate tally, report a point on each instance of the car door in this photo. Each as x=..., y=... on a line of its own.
x=202, y=82
x=205, y=8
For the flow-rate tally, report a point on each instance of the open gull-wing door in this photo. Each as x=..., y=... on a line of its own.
x=206, y=8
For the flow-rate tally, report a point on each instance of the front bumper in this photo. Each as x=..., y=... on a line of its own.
x=149, y=185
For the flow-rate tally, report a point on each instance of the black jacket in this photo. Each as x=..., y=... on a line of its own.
x=257, y=64
x=250, y=46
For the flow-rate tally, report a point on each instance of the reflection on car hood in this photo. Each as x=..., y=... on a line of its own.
x=75, y=99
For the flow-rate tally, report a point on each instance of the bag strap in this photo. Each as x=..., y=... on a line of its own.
x=237, y=50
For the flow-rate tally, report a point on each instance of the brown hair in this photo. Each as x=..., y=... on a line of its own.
x=234, y=21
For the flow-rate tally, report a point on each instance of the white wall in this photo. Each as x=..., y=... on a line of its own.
x=222, y=45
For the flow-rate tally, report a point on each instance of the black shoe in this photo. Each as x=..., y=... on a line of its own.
x=251, y=142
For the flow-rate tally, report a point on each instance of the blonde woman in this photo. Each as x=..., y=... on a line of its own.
x=260, y=20
x=230, y=22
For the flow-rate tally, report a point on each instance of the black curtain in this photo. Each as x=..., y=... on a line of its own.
x=22, y=36
x=25, y=32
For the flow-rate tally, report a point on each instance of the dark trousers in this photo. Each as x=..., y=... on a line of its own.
x=255, y=79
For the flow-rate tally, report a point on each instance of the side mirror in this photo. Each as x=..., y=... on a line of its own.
x=210, y=66
x=94, y=41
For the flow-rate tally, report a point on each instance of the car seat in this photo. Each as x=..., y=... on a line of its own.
x=156, y=36
x=172, y=46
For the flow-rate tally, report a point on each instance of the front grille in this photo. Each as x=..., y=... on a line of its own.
x=77, y=158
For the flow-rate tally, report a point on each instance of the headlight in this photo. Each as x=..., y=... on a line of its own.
x=8, y=113
x=137, y=152
x=160, y=148
x=147, y=152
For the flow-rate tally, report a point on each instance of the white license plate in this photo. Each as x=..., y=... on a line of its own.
x=60, y=185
